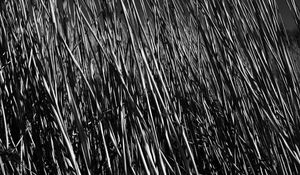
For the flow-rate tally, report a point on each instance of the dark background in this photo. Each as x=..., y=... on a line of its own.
x=284, y=10
x=286, y=14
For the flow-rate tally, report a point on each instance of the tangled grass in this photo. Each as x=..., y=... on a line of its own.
x=147, y=87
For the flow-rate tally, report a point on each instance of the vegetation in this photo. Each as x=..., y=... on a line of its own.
x=147, y=87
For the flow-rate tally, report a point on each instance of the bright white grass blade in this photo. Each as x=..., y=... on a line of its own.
x=153, y=130
x=52, y=8
x=293, y=153
x=113, y=139
x=163, y=161
x=152, y=55
x=190, y=151
x=4, y=124
x=83, y=138
x=293, y=5
x=63, y=129
x=105, y=147
x=141, y=154
x=125, y=145
x=2, y=166
x=81, y=72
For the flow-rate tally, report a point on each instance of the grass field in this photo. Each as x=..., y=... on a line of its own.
x=148, y=87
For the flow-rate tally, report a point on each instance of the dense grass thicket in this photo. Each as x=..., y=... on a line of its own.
x=148, y=87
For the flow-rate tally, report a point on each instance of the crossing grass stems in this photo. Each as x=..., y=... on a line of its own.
x=147, y=87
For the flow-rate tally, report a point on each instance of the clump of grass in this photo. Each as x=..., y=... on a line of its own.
x=148, y=87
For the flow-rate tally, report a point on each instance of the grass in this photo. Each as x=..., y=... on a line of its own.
x=147, y=87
